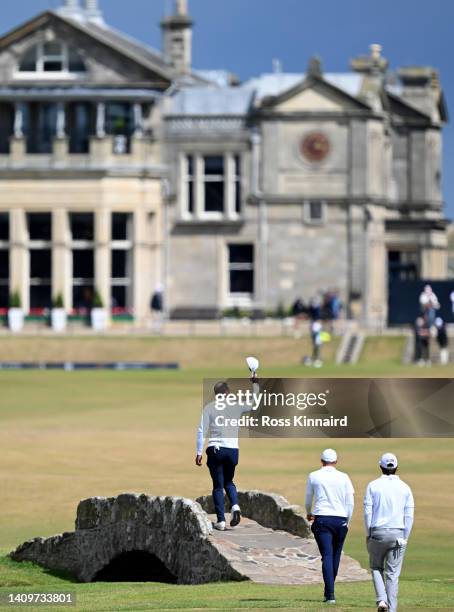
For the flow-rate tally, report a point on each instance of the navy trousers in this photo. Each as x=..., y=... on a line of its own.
x=330, y=533
x=222, y=462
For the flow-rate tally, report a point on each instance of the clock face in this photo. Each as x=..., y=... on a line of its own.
x=315, y=146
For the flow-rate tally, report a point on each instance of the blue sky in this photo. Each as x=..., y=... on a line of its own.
x=245, y=35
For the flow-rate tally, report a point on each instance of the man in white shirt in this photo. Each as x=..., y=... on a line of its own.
x=388, y=518
x=329, y=504
x=222, y=451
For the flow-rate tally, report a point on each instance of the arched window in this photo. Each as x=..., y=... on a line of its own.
x=51, y=57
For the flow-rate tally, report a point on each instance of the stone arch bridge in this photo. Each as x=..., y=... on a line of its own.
x=135, y=537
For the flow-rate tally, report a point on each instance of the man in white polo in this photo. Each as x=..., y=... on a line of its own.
x=388, y=517
x=329, y=504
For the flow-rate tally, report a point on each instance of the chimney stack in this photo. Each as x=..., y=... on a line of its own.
x=177, y=38
x=93, y=13
x=71, y=8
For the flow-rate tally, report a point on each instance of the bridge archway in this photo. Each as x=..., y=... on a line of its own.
x=135, y=566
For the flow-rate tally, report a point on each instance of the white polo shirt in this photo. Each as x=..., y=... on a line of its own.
x=387, y=502
x=329, y=493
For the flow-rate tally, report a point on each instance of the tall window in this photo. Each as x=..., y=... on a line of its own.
x=6, y=126
x=241, y=270
x=39, y=227
x=237, y=184
x=4, y=260
x=121, y=261
x=80, y=119
x=82, y=226
x=219, y=177
x=40, y=121
x=213, y=180
x=51, y=57
x=190, y=183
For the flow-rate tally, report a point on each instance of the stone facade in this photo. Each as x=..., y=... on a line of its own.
x=232, y=195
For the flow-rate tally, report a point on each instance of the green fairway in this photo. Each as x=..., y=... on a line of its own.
x=65, y=436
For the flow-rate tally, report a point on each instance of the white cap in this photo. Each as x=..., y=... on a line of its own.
x=389, y=461
x=329, y=455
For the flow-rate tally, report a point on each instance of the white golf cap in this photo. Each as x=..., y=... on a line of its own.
x=329, y=455
x=388, y=460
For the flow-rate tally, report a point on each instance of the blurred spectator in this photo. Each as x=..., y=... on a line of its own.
x=299, y=312
x=331, y=307
x=451, y=296
x=429, y=304
x=315, y=308
x=316, y=336
x=422, y=342
x=299, y=307
x=442, y=340
x=157, y=307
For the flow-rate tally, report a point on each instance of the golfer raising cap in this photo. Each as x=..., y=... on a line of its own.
x=388, y=517
x=222, y=449
x=329, y=504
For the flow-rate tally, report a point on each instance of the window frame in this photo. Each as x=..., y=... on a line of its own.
x=307, y=212
x=231, y=180
x=42, y=57
x=241, y=299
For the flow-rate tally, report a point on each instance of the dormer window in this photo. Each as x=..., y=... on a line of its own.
x=51, y=58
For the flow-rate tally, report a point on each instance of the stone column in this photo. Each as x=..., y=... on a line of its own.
x=375, y=290
x=103, y=254
x=60, y=144
x=138, y=120
x=19, y=120
x=17, y=143
x=19, y=257
x=100, y=120
x=61, y=257
x=141, y=270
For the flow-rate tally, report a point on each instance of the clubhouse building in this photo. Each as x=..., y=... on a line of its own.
x=124, y=169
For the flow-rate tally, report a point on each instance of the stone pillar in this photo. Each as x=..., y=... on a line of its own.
x=60, y=127
x=103, y=254
x=375, y=308
x=138, y=120
x=19, y=257
x=19, y=120
x=141, y=272
x=61, y=257
x=17, y=142
x=100, y=120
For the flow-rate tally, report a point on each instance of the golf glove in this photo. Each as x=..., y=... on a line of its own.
x=401, y=542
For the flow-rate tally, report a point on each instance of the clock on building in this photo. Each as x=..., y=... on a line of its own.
x=315, y=146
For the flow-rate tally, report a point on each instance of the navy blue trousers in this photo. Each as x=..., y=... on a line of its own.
x=222, y=463
x=330, y=533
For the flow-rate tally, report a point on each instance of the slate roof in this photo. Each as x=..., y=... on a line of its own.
x=238, y=100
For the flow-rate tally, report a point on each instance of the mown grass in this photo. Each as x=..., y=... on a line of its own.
x=65, y=436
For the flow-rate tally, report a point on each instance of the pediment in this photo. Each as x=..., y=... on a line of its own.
x=314, y=94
